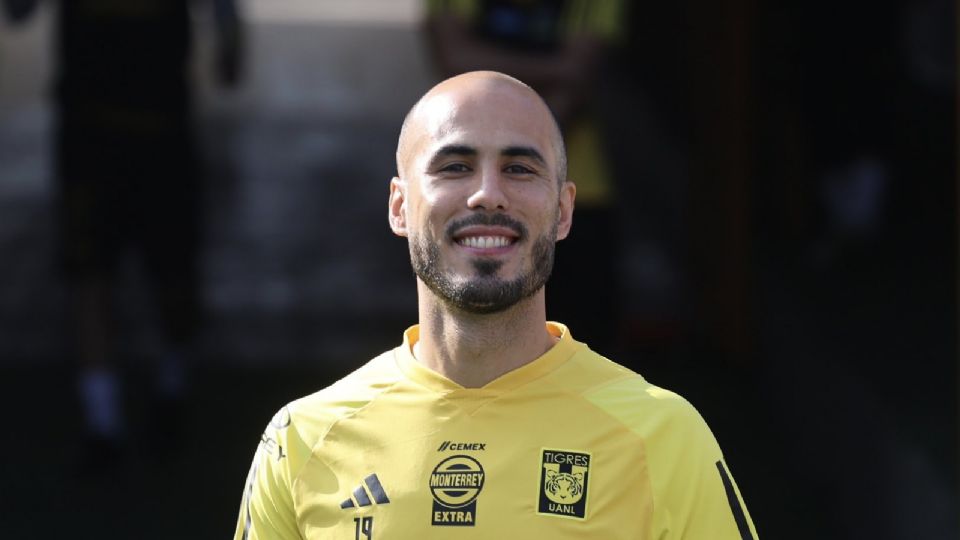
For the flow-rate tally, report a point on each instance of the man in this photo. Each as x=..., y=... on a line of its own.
x=488, y=421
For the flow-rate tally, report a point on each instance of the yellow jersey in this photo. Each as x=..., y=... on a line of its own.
x=571, y=445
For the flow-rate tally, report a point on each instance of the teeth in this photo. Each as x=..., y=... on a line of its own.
x=485, y=242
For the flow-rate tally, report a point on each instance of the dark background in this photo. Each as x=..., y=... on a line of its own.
x=784, y=257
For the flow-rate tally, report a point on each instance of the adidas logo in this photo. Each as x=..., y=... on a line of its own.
x=370, y=487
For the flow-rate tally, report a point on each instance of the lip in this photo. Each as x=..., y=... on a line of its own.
x=481, y=231
x=485, y=230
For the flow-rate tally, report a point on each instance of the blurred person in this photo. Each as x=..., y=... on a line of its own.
x=18, y=10
x=488, y=420
x=129, y=184
x=558, y=47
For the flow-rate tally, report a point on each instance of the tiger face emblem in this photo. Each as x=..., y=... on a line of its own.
x=563, y=488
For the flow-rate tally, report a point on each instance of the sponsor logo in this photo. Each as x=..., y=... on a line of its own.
x=461, y=447
x=564, y=479
x=271, y=446
x=268, y=442
x=368, y=492
x=455, y=484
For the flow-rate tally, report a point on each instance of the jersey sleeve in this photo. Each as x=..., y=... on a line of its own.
x=694, y=493
x=267, y=509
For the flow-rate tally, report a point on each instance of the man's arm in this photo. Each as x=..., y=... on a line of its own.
x=694, y=492
x=267, y=511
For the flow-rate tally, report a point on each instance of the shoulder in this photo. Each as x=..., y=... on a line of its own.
x=649, y=411
x=296, y=429
x=634, y=395
x=313, y=415
x=299, y=425
x=287, y=445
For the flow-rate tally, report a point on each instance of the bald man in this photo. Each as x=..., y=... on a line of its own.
x=488, y=421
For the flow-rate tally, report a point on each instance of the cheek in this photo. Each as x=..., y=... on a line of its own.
x=426, y=223
x=436, y=207
x=536, y=193
x=540, y=207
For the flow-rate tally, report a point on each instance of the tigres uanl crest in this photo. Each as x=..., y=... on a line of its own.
x=564, y=477
x=561, y=487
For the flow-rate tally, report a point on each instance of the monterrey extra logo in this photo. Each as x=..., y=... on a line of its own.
x=455, y=484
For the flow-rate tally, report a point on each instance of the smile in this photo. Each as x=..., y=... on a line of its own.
x=485, y=242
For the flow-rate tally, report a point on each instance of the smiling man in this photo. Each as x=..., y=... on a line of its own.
x=488, y=421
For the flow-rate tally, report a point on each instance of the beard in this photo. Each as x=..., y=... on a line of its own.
x=484, y=293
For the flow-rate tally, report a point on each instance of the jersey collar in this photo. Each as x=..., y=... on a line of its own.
x=561, y=351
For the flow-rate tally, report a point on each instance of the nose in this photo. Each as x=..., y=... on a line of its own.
x=488, y=194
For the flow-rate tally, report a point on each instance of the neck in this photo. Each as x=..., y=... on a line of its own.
x=473, y=350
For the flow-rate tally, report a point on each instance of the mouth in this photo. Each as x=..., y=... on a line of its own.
x=485, y=242
x=487, y=235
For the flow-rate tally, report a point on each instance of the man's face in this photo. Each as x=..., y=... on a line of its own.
x=478, y=196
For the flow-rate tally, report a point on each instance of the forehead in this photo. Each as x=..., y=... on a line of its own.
x=487, y=118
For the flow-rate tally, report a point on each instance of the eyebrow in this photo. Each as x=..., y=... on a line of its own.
x=510, y=151
x=451, y=150
x=524, y=151
x=455, y=150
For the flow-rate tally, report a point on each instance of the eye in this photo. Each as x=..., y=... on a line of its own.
x=455, y=168
x=518, y=169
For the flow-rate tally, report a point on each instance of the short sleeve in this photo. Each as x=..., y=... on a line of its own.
x=695, y=495
x=267, y=509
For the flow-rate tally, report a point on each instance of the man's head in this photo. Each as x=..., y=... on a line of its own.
x=408, y=131
x=481, y=192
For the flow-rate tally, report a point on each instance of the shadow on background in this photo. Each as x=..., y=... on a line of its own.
x=767, y=226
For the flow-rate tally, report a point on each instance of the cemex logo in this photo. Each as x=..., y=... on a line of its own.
x=461, y=447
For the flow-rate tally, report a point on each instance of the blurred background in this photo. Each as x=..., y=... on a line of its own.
x=193, y=232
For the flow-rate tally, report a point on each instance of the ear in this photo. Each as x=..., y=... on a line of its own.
x=397, y=207
x=568, y=193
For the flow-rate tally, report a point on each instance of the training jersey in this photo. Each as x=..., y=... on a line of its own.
x=571, y=445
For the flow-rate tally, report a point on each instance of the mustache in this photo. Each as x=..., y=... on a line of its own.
x=497, y=220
